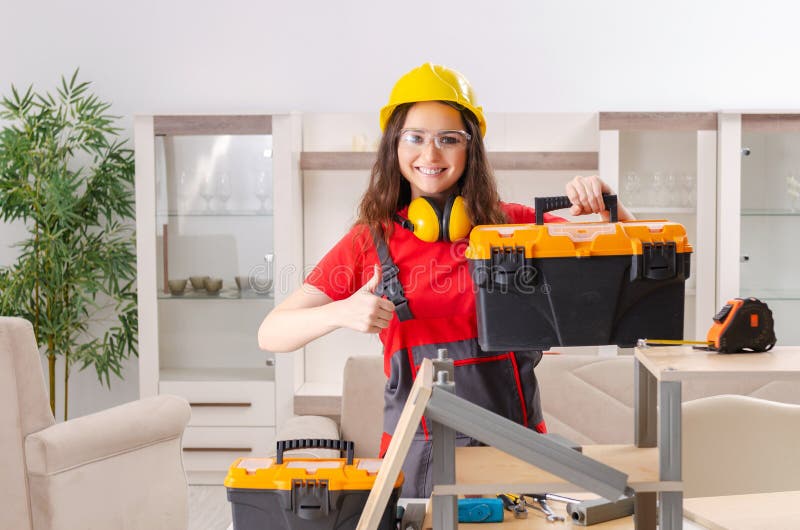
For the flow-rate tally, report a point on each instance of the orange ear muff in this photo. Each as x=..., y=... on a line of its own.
x=425, y=217
x=456, y=223
x=430, y=224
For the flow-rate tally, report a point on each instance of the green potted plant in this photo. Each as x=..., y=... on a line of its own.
x=68, y=177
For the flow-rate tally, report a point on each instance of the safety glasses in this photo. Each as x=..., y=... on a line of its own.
x=444, y=140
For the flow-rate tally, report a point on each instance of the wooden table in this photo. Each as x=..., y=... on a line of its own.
x=755, y=511
x=486, y=470
x=658, y=373
x=536, y=520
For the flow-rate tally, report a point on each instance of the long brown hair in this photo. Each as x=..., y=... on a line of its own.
x=388, y=191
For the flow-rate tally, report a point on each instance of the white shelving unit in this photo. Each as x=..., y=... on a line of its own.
x=192, y=221
x=759, y=213
x=670, y=143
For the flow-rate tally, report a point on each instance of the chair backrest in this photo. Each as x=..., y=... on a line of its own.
x=739, y=444
x=24, y=409
x=586, y=398
x=362, y=403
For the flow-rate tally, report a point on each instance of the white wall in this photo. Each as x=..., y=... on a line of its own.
x=185, y=56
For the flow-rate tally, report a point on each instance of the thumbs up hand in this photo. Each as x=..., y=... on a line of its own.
x=373, y=283
x=364, y=311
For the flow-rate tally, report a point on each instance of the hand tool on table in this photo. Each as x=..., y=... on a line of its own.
x=515, y=504
x=551, y=516
x=743, y=324
x=542, y=498
x=519, y=504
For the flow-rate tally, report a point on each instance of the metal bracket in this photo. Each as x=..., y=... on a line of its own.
x=525, y=444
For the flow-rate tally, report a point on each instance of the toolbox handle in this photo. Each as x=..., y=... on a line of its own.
x=548, y=204
x=322, y=443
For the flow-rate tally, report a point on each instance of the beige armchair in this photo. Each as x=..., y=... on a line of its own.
x=361, y=416
x=119, y=468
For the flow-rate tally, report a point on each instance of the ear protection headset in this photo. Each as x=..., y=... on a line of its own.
x=431, y=224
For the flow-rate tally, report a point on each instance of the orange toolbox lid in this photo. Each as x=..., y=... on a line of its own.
x=576, y=240
x=266, y=474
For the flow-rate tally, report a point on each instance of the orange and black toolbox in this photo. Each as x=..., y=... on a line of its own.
x=578, y=284
x=305, y=493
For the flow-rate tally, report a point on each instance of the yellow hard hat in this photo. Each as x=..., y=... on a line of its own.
x=433, y=82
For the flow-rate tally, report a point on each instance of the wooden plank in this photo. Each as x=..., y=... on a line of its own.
x=418, y=399
x=499, y=160
x=210, y=124
x=771, y=122
x=745, y=512
x=544, y=160
x=658, y=121
x=678, y=363
x=337, y=160
x=486, y=470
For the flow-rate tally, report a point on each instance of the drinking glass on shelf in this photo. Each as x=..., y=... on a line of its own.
x=207, y=189
x=182, y=191
x=630, y=187
x=261, y=189
x=687, y=183
x=224, y=188
x=657, y=189
x=671, y=191
x=793, y=191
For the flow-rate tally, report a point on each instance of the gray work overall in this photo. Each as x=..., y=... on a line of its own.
x=503, y=383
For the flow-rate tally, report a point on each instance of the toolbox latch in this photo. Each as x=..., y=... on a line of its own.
x=310, y=499
x=658, y=261
x=509, y=270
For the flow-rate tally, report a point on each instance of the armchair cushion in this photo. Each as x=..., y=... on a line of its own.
x=119, y=468
x=301, y=427
x=105, y=434
x=113, y=469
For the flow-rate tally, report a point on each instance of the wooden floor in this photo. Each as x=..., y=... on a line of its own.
x=209, y=508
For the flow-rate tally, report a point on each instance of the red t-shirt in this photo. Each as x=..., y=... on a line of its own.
x=435, y=276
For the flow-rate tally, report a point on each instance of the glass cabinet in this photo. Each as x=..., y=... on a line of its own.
x=760, y=213
x=664, y=166
x=207, y=217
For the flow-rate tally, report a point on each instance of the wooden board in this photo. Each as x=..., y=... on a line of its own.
x=211, y=124
x=771, y=122
x=487, y=470
x=678, y=363
x=755, y=511
x=398, y=448
x=658, y=121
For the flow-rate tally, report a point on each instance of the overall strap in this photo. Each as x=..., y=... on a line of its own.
x=390, y=284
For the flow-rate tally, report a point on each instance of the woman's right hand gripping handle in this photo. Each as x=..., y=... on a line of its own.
x=308, y=313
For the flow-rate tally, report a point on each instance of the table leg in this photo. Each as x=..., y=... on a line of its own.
x=645, y=400
x=443, y=457
x=669, y=453
x=445, y=508
x=644, y=511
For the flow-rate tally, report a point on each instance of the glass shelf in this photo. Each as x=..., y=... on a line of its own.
x=230, y=293
x=773, y=294
x=661, y=210
x=219, y=213
x=770, y=213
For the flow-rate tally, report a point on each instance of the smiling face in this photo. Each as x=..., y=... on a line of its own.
x=431, y=171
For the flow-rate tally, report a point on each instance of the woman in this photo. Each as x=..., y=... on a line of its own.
x=431, y=182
